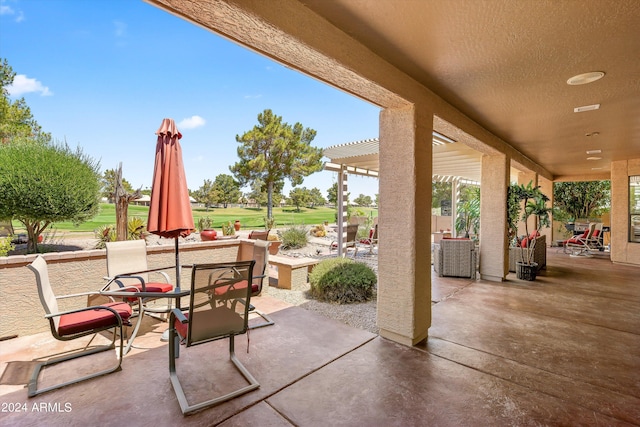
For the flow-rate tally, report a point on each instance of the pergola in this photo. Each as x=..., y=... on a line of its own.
x=453, y=162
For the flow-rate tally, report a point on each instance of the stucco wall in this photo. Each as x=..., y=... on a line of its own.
x=622, y=251
x=84, y=271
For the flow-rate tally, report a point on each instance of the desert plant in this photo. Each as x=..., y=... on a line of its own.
x=104, y=234
x=342, y=280
x=294, y=237
x=318, y=231
x=269, y=223
x=204, y=223
x=136, y=228
x=228, y=229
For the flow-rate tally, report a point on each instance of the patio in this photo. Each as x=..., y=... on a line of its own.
x=561, y=350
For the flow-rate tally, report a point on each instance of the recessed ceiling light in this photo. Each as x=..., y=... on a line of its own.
x=594, y=151
x=594, y=158
x=583, y=79
x=586, y=108
x=595, y=169
x=592, y=134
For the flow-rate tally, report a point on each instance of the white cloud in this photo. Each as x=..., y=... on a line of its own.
x=191, y=122
x=23, y=84
x=120, y=28
x=8, y=10
x=253, y=96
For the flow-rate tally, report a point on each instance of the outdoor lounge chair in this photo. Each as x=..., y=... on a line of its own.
x=213, y=316
x=128, y=261
x=350, y=242
x=372, y=240
x=583, y=244
x=72, y=324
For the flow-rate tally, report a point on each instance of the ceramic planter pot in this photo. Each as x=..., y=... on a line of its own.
x=208, y=234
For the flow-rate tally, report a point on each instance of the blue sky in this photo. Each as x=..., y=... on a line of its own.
x=102, y=74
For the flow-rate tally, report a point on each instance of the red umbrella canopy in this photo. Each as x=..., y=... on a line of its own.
x=170, y=211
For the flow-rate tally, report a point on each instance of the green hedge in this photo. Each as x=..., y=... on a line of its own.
x=342, y=280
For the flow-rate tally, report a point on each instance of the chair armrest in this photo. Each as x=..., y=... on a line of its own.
x=81, y=294
x=78, y=310
x=179, y=315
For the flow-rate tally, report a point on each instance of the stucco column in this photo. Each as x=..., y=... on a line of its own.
x=404, y=267
x=494, y=255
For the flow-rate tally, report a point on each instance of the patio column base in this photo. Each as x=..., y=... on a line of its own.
x=401, y=339
x=491, y=278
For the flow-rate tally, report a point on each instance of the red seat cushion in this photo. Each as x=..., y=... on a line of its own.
x=149, y=287
x=237, y=286
x=82, y=321
x=575, y=239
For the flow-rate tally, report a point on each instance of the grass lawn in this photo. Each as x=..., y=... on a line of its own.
x=252, y=218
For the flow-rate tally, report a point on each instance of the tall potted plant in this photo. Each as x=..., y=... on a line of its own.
x=531, y=202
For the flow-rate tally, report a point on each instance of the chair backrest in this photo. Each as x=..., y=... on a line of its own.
x=211, y=315
x=352, y=232
x=47, y=297
x=259, y=235
x=261, y=258
x=592, y=228
x=455, y=246
x=127, y=257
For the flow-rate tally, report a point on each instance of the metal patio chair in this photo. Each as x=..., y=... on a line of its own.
x=73, y=324
x=213, y=316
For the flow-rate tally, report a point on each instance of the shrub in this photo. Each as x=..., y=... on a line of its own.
x=294, y=237
x=5, y=245
x=342, y=280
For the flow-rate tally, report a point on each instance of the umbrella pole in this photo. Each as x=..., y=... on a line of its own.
x=165, y=334
x=177, y=266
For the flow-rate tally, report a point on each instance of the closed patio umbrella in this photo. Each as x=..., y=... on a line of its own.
x=170, y=210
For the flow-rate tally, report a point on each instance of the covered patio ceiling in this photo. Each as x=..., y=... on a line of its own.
x=451, y=159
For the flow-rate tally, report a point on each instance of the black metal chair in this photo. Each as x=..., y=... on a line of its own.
x=213, y=316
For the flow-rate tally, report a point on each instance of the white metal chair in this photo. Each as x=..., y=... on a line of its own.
x=72, y=324
x=127, y=260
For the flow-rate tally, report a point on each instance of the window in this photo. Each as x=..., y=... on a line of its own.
x=634, y=208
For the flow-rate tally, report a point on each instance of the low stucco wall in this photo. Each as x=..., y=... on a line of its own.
x=84, y=271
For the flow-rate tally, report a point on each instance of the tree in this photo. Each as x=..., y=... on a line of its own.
x=582, y=199
x=16, y=120
x=122, y=197
x=205, y=194
x=440, y=191
x=299, y=197
x=468, y=210
x=109, y=178
x=362, y=200
x=257, y=193
x=46, y=183
x=226, y=190
x=332, y=194
x=316, y=197
x=274, y=151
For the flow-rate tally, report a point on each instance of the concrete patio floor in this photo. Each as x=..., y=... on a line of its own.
x=563, y=350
